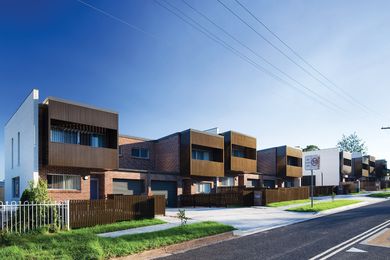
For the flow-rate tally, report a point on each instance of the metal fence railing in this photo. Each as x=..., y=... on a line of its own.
x=20, y=217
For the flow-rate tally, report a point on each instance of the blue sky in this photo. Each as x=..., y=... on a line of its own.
x=168, y=77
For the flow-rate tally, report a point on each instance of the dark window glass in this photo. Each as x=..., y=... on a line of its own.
x=347, y=162
x=16, y=187
x=140, y=153
x=294, y=161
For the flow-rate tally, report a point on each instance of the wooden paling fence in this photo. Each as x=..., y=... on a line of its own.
x=225, y=199
x=324, y=190
x=284, y=194
x=370, y=185
x=87, y=213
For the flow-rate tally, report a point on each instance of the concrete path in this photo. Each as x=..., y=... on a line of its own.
x=171, y=223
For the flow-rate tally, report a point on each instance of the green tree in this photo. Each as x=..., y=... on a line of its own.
x=352, y=143
x=311, y=147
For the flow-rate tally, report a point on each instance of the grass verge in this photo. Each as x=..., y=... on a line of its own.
x=85, y=244
x=380, y=195
x=287, y=203
x=320, y=206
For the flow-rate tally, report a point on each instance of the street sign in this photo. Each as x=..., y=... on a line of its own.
x=312, y=162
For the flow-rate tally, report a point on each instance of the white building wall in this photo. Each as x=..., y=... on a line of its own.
x=25, y=122
x=329, y=167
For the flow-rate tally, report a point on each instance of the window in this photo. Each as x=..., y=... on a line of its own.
x=18, y=148
x=140, y=153
x=12, y=153
x=15, y=187
x=203, y=188
x=63, y=182
x=227, y=181
x=59, y=135
x=120, y=150
x=64, y=136
x=201, y=155
x=294, y=161
x=238, y=153
x=96, y=140
x=347, y=162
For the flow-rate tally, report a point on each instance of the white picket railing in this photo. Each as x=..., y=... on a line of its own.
x=23, y=217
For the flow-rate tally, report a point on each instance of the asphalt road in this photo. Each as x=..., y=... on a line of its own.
x=304, y=240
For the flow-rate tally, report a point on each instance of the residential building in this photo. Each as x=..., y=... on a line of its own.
x=240, y=160
x=68, y=144
x=335, y=167
x=381, y=170
x=280, y=166
x=363, y=167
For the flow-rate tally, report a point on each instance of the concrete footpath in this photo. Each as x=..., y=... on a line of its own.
x=171, y=223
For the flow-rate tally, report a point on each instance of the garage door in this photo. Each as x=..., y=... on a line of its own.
x=128, y=187
x=168, y=189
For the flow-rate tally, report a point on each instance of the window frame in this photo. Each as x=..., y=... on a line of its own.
x=202, y=184
x=64, y=182
x=226, y=179
x=12, y=153
x=18, y=148
x=16, y=192
x=139, y=153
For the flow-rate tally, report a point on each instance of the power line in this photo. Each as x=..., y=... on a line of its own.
x=278, y=49
x=258, y=55
x=132, y=26
x=302, y=59
x=215, y=38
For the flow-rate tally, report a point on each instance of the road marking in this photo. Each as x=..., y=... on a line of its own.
x=334, y=250
x=355, y=250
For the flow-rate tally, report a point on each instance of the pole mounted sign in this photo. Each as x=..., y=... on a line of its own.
x=312, y=162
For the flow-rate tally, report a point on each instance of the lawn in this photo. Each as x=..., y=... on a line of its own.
x=287, y=203
x=85, y=244
x=320, y=206
x=380, y=195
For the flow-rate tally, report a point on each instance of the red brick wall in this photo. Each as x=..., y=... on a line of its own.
x=84, y=193
x=167, y=154
x=126, y=161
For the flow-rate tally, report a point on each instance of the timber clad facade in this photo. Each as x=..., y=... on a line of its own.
x=280, y=166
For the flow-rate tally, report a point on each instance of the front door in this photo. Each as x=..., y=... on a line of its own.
x=94, y=188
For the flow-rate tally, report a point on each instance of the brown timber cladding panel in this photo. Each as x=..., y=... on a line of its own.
x=207, y=140
x=88, y=213
x=284, y=194
x=266, y=161
x=242, y=198
x=243, y=164
x=293, y=152
x=82, y=115
x=71, y=155
x=207, y=168
x=243, y=140
x=294, y=171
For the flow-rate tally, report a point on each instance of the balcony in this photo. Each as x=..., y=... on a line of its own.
x=207, y=168
x=293, y=171
x=243, y=164
x=73, y=155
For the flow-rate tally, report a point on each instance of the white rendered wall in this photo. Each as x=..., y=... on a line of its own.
x=329, y=166
x=25, y=122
